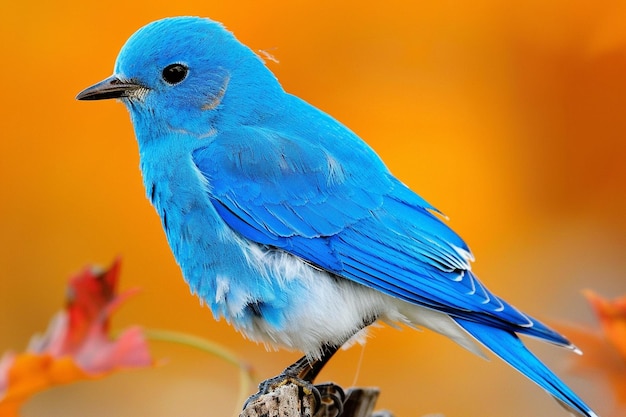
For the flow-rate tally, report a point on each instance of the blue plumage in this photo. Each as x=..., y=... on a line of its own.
x=284, y=221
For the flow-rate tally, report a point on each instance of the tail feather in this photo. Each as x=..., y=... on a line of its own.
x=510, y=348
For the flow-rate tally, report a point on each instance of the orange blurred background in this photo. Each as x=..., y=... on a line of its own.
x=508, y=116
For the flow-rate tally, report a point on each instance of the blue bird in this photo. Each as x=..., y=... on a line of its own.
x=285, y=222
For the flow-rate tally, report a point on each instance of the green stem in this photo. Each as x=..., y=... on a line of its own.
x=245, y=371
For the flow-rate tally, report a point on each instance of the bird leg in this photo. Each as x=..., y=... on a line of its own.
x=307, y=369
x=328, y=397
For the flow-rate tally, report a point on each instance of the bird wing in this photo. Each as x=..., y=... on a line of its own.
x=335, y=205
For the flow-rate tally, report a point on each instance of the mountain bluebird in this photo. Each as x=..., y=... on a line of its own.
x=285, y=222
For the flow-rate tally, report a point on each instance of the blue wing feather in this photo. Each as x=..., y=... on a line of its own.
x=362, y=224
x=507, y=346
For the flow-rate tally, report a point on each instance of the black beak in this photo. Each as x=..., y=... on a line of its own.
x=111, y=87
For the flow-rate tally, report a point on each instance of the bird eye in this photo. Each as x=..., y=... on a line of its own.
x=174, y=73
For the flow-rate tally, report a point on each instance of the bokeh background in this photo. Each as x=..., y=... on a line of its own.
x=508, y=116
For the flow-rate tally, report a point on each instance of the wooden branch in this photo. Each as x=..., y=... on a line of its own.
x=288, y=400
x=284, y=401
x=360, y=402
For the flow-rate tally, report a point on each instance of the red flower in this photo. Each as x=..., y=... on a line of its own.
x=76, y=345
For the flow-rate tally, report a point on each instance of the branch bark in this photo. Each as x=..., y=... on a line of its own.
x=288, y=401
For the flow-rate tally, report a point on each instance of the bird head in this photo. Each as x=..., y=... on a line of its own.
x=187, y=74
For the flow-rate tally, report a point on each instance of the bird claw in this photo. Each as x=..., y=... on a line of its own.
x=328, y=398
x=271, y=384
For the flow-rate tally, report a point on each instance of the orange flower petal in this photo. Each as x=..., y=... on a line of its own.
x=604, y=351
x=30, y=373
x=612, y=316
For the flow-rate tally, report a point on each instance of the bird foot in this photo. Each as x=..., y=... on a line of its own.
x=328, y=398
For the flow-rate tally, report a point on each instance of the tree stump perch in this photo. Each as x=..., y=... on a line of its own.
x=288, y=401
